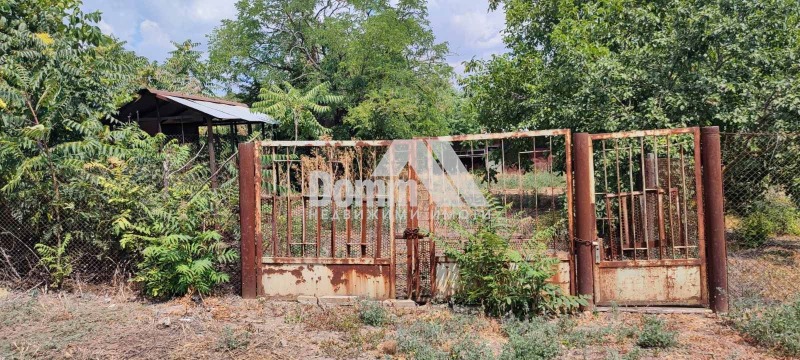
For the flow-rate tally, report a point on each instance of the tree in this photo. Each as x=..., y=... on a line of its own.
x=627, y=64
x=291, y=106
x=382, y=59
x=183, y=71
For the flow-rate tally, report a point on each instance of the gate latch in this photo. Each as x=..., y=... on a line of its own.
x=596, y=252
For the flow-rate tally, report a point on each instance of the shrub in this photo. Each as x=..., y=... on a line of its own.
x=776, y=215
x=654, y=334
x=777, y=327
x=418, y=340
x=502, y=280
x=531, y=340
x=372, y=313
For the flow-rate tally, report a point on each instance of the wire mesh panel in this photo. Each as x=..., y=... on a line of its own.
x=526, y=175
x=761, y=182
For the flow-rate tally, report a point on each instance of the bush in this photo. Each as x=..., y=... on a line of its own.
x=776, y=215
x=531, y=340
x=502, y=281
x=372, y=313
x=654, y=334
x=776, y=327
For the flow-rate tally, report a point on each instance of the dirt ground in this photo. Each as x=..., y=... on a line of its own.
x=119, y=326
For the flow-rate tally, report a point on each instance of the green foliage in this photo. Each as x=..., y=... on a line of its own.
x=232, y=339
x=776, y=327
x=381, y=58
x=654, y=334
x=775, y=215
x=291, y=106
x=183, y=71
x=602, y=66
x=534, y=339
x=503, y=280
x=427, y=339
x=372, y=313
x=56, y=260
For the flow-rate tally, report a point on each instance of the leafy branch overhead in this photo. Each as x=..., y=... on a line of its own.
x=293, y=107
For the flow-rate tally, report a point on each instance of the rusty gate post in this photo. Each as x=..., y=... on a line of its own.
x=249, y=220
x=716, y=251
x=585, y=229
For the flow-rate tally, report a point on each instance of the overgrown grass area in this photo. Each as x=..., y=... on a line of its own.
x=113, y=326
x=776, y=327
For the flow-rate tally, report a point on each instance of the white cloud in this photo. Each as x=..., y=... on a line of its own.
x=212, y=11
x=154, y=40
x=105, y=27
x=480, y=30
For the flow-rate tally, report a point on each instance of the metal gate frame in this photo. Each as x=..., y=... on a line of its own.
x=578, y=157
x=589, y=247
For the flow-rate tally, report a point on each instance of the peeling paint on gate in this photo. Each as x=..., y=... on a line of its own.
x=326, y=279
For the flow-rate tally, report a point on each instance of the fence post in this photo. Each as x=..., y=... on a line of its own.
x=585, y=231
x=249, y=218
x=716, y=250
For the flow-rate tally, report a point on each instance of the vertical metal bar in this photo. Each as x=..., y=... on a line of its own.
x=685, y=211
x=662, y=242
x=304, y=219
x=717, y=254
x=212, y=158
x=585, y=214
x=699, y=202
x=379, y=230
x=503, y=170
x=247, y=219
x=609, y=213
x=392, y=217
x=623, y=230
x=289, y=227
x=570, y=217
x=645, y=224
x=331, y=154
x=275, y=205
x=669, y=197
x=633, y=200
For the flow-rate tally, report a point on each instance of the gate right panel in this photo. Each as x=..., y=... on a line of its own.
x=650, y=246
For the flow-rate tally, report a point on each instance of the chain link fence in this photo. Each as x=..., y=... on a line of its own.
x=762, y=192
x=761, y=181
x=77, y=238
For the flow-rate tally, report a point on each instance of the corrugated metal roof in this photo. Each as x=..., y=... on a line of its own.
x=223, y=111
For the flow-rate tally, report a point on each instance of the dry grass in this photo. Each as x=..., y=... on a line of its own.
x=770, y=272
x=113, y=327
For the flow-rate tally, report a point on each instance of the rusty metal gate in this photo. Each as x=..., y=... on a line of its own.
x=391, y=251
x=648, y=196
x=639, y=238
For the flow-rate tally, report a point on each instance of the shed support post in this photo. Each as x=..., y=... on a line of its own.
x=585, y=229
x=716, y=250
x=250, y=219
x=212, y=159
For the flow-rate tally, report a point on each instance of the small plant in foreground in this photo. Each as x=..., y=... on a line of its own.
x=372, y=313
x=232, y=340
x=531, y=340
x=777, y=327
x=654, y=334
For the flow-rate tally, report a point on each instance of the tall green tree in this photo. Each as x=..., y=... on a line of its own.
x=183, y=71
x=291, y=106
x=382, y=58
x=629, y=64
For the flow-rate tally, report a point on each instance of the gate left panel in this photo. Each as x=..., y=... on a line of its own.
x=320, y=235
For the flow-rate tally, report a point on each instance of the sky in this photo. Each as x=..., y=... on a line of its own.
x=149, y=26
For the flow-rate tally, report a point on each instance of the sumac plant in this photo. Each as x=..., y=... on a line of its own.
x=504, y=281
